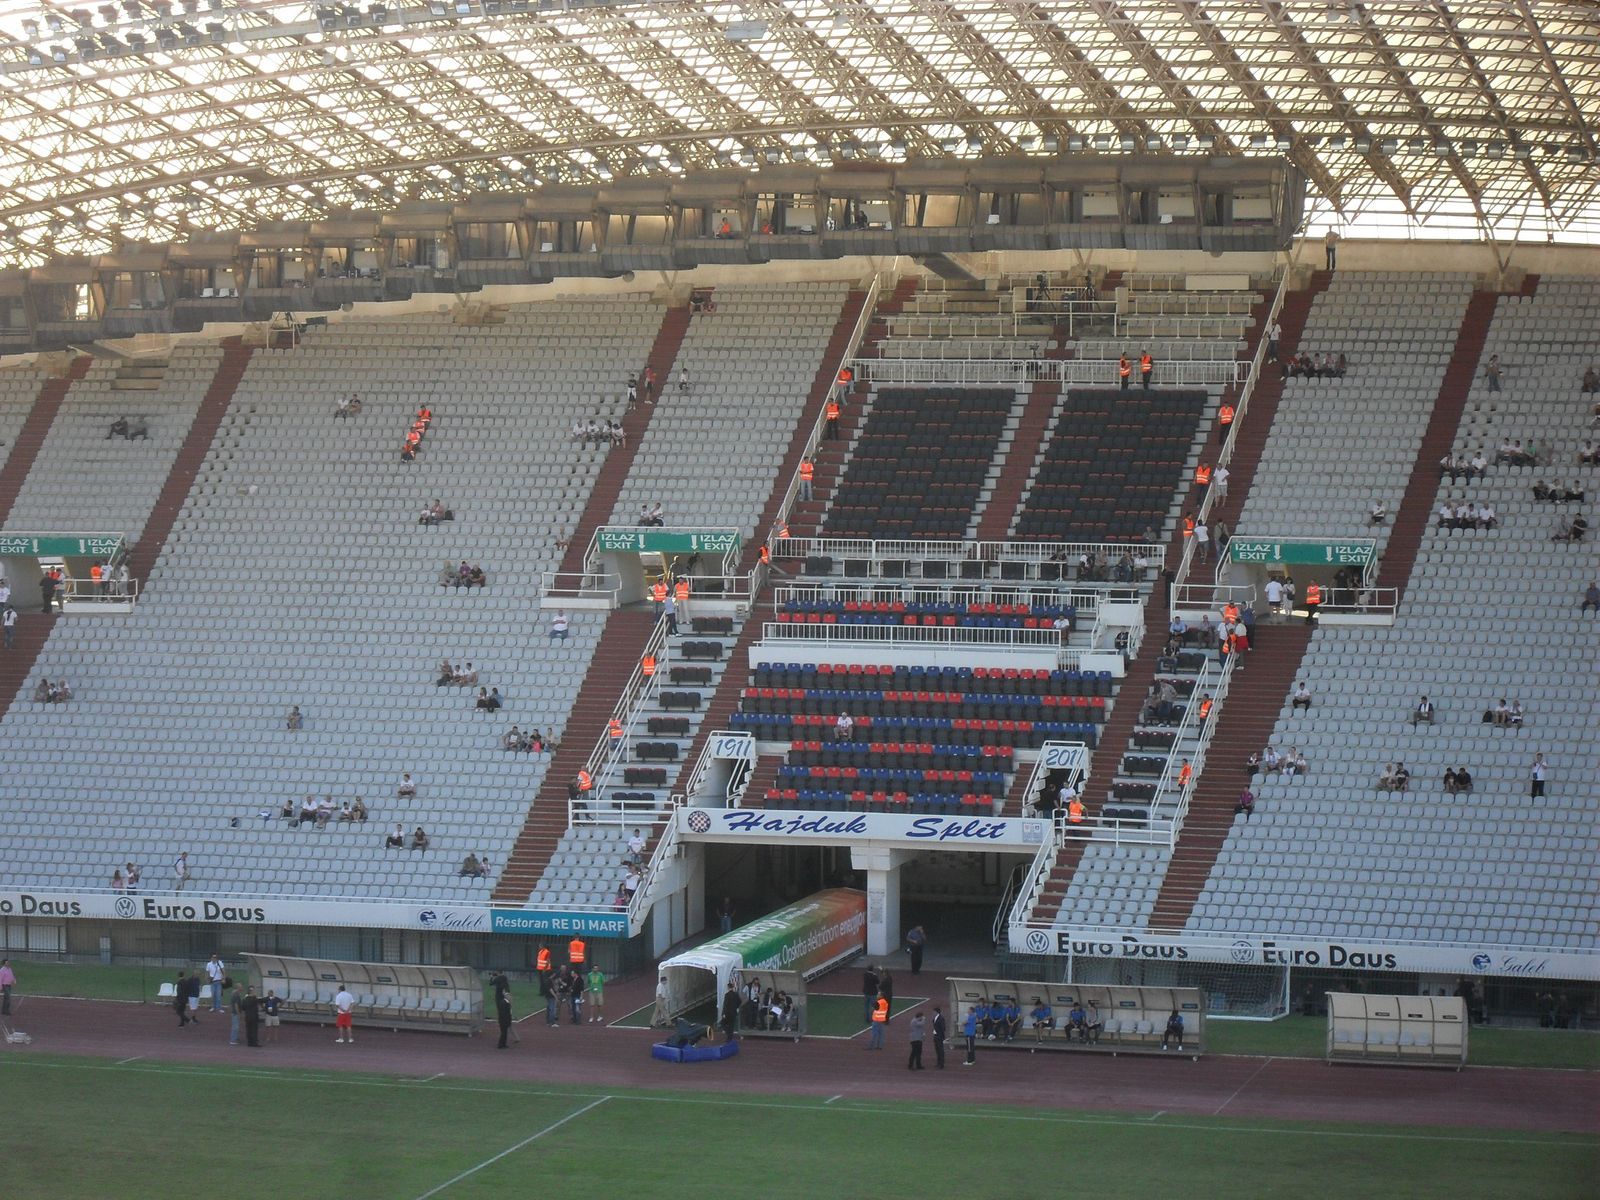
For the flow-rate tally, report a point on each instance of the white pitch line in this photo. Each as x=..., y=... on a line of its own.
x=529, y=1140
x=1153, y=1116
x=831, y=1099
x=135, y=1058
x=1264, y=1065
x=953, y=1111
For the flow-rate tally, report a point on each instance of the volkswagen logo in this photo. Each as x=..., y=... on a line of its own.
x=126, y=906
x=1038, y=942
x=1242, y=952
x=699, y=821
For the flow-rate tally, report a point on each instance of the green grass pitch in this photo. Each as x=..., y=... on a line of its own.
x=83, y=1127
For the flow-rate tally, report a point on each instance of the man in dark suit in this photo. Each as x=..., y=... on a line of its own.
x=502, y=1005
x=938, y=1035
x=730, y=1012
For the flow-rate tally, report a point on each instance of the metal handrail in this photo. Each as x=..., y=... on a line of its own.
x=847, y=355
x=666, y=848
x=1194, y=372
x=1241, y=408
x=576, y=585
x=922, y=635
x=928, y=592
x=1063, y=554
x=86, y=591
x=608, y=751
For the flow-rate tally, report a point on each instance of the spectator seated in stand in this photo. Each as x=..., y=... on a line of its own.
x=308, y=811
x=419, y=839
x=130, y=429
x=1591, y=599
x=1377, y=514
x=1591, y=381
x=396, y=839
x=513, y=739
x=1589, y=456
x=1457, y=780
x=355, y=810
x=1514, y=714
x=1422, y=712
x=436, y=513
x=407, y=786
x=471, y=868
x=476, y=577
x=58, y=692
x=1302, y=696
x=1571, y=531
x=1395, y=778
x=1246, y=803
x=1294, y=763
x=489, y=701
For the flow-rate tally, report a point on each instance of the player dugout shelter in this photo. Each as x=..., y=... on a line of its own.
x=1417, y=1030
x=793, y=944
x=443, y=999
x=1134, y=1018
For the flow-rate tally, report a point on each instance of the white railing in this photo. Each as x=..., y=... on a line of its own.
x=792, y=491
x=961, y=348
x=1187, y=304
x=1180, y=281
x=1072, y=757
x=1075, y=372
x=1241, y=409
x=1148, y=325
x=1211, y=681
x=644, y=896
x=85, y=595
x=609, y=753
x=939, y=326
x=1064, y=555
x=1211, y=597
x=965, y=636
x=577, y=585
x=1082, y=599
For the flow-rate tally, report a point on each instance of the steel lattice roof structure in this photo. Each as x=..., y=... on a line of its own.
x=144, y=120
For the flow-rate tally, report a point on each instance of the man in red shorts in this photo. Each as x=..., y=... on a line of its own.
x=343, y=1022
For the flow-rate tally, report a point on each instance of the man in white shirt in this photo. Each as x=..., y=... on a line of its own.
x=844, y=728
x=1275, y=597
x=343, y=1020
x=180, y=871
x=408, y=786
x=8, y=619
x=1274, y=332
x=1202, y=541
x=558, y=627
x=216, y=973
x=5, y=592
x=636, y=846
x=1219, y=483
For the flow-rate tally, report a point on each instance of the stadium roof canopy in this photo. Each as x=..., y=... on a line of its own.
x=142, y=120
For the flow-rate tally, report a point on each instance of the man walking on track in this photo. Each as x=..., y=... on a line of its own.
x=916, y=942
x=344, y=1020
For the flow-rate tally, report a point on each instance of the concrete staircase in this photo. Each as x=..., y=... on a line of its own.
x=1017, y=462
x=619, y=460
x=1248, y=716
x=615, y=657
x=821, y=384
x=191, y=455
x=1416, y=511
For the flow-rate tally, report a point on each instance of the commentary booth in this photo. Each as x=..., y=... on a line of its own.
x=784, y=948
x=1426, y=1031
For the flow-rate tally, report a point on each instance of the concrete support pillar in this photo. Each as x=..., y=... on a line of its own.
x=883, y=896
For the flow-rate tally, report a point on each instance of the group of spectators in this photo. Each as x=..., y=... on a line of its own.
x=1469, y=514
x=396, y=839
x=347, y=406
x=57, y=691
x=598, y=431
x=1503, y=714
x=126, y=879
x=436, y=514
x=1395, y=778
x=1305, y=366
x=531, y=742
x=650, y=515
x=463, y=575
x=1270, y=762
x=1573, y=493
x=646, y=384
x=419, y=427
x=123, y=427
x=1512, y=453
x=456, y=675
x=1463, y=466
x=767, y=1008
x=319, y=814
x=475, y=866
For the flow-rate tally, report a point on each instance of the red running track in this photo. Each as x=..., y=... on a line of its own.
x=596, y=1056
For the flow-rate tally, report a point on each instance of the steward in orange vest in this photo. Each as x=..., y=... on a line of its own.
x=880, y=1011
x=808, y=470
x=1225, y=415
x=1075, y=811
x=680, y=590
x=1188, y=526
x=614, y=727
x=1202, y=474
x=1185, y=774
x=831, y=414
x=1124, y=370
x=1146, y=366
x=585, y=780
x=658, y=591
x=647, y=665
x=543, y=963
x=766, y=556
x=1313, y=598
x=576, y=950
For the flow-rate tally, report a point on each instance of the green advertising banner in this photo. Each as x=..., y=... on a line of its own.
x=807, y=934
x=668, y=541
x=1354, y=552
x=60, y=545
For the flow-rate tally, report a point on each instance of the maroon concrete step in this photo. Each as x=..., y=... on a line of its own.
x=1416, y=508
x=615, y=657
x=191, y=456
x=995, y=523
x=619, y=459
x=25, y=448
